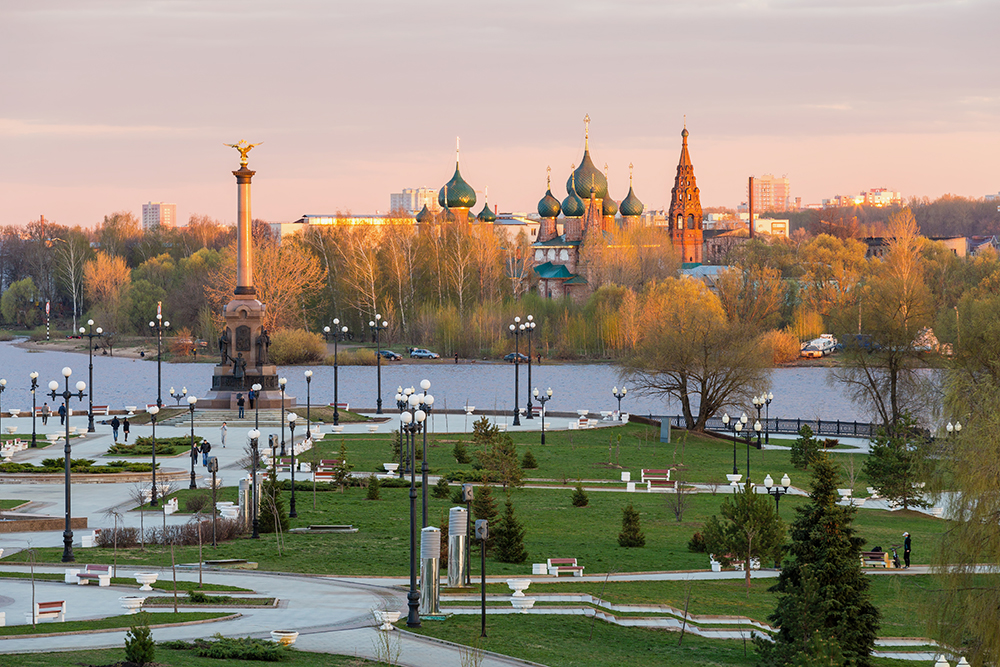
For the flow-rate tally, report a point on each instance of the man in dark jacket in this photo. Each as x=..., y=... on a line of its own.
x=906, y=551
x=114, y=428
x=205, y=449
x=62, y=414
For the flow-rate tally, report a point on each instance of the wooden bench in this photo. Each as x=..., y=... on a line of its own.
x=46, y=610
x=341, y=406
x=284, y=464
x=659, y=484
x=655, y=474
x=875, y=559
x=102, y=409
x=102, y=573
x=323, y=476
x=557, y=566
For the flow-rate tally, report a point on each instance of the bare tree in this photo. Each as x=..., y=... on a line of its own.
x=679, y=499
x=137, y=493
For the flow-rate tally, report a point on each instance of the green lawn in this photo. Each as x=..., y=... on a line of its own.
x=171, y=658
x=111, y=622
x=10, y=503
x=165, y=584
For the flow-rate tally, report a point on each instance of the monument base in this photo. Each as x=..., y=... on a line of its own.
x=226, y=389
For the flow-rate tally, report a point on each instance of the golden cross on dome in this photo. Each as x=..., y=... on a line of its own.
x=586, y=131
x=458, y=141
x=548, y=177
x=605, y=171
x=630, y=174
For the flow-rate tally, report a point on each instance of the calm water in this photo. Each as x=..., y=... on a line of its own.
x=798, y=392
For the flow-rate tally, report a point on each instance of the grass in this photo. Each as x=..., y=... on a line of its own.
x=109, y=623
x=182, y=586
x=171, y=658
x=10, y=503
x=573, y=641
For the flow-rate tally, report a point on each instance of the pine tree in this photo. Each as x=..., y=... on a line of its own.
x=580, y=498
x=342, y=470
x=441, y=489
x=139, y=646
x=485, y=507
x=749, y=530
x=373, y=488
x=805, y=449
x=893, y=463
x=631, y=535
x=460, y=452
x=509, y=532
x=529, y=462
x=822, y=587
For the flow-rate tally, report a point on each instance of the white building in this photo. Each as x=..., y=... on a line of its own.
x=412, y=200
x=157, y=214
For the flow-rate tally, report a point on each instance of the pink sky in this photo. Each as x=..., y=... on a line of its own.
x=107, y=105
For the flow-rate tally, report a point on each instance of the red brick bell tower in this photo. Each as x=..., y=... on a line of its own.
x=685, y=209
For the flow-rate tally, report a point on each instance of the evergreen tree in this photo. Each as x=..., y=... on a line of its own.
x=822, y=587
x=631, y=535
x=893, y=463
x=485, y=507
x=342, y=469
x=805, y=449
x=580, y=498
x=529, y=462
x=750, y=529
x=139, y=646
x=509, y=533
x=460, y=452
x=373, y=488
x=441, y=489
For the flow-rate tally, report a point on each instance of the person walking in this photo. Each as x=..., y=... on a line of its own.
x=125, y=428
x=252, y=395
x=46, y=411
x=205, y=449
x=223, y=432
x=62, y=414
x=906, y=551
x=194, y=453
x=240, y=403
x=115, y=424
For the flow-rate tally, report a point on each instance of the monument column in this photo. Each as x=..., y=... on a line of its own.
x=244, y=243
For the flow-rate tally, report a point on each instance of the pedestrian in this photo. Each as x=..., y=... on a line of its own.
x=240, y=403
x=125, y=427
x=205, y=449
x=62, y=414
x=46, y=411
x=906, y=551
x=115, y=424
x=194, y=453
x=252, y=395
x=223, y=431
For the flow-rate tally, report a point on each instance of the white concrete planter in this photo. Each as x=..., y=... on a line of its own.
x=145, y=579
x=284, y=637
x=131, y=603
x=518, y=586
x=390, y=467
x=386, y=618
x=522, y=605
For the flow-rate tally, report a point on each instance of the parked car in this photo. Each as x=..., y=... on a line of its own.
x=390, y=355
x=420, y=353
x=521, y=358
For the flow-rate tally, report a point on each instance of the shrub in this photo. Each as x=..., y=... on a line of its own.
x=461, y=452
x=631, y=535
x=240, y=648
x=361, y=356
x=373, y=488
x=139, y=646
x=441, y=489
x=296, y=346
x=197, y=502
x=529, y=462
x=580, y=498
x=782, y=346
x=697, y=543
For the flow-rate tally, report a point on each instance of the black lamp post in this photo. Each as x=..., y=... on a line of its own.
x=749, y=437
x=542, y=400
x=768, y=397
x=191, y=403
x=427, y=400
x=410, y=422
x=152, y=417
x=737, y=426
x=291, y=434
x=309, y=379
x=254, y=439
x=954, y=430
x=256, y=405
x=34, y=386
x=3, y=387
x=614, y=392
x=158, y=326
x=758, y=402
x=178, y=395
x=516, y=329
x=66, y=394
x=281, y=385
x=89, y=333
x=335, y=333
x=379, y=325
x=777, y=491
x=529, y=328
x=401, y=399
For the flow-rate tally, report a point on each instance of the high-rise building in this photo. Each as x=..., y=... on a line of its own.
x=771, y=193
x=412, y=200
x=157, y=214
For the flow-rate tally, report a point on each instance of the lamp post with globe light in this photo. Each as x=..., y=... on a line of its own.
x=378, y=325
x=529, y=328
x=256, y=406
x=516, y=329
x=178, y=395
x=191, y=403
x=158, y=326
x=427, y=401
x=336, y=334
x=542, y=400
x=3, y=387
x=281, y=385
x=777, y=491
x=614, y=392
x=768, y=397
x=254, y=443
x=90, y=346
x=152, y=418
x=402, y=400
x=309, y=379
x=66, y=394
x=411, y=421
x=291, y=434
x=34, y=386
x=955, y=429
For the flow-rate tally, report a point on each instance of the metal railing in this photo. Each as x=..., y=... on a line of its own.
x=820, y=427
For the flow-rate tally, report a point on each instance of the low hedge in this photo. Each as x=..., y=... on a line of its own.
x=79, y=466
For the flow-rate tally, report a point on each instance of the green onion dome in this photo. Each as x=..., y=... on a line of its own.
x=456, y=193
x=609, y=207
x=631, y=206
x=572, y=206
x=424, y=215
x=548, y=206
x=486, y=215
x=586, y=177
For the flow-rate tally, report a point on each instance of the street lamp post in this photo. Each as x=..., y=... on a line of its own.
x=954, y=429
x=411, y=422
x=178, y=395
x=516, y=329
x=758, y=402
x=777, y=491
x=309, y=379
x=736, y=427
x=34, y=386
x=749, y=436
x=542, y=400
x=402, y=399
x=191, y=403
x=336, y=333
x=66, y=394
x=427, y=400
x=379, y=325
x=281, y=385
x=152, y=417
x=158, y=326
x=767, y=417
x=614, y=392
x=256, y=406
x=254, y=439
x=529, y=328
x=291, y=434
x=3, y=387
x=90, y=345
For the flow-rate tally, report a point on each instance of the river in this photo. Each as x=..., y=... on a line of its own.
x=798, y=392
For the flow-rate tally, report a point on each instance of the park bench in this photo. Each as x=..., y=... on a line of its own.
x=102, y=573
x=557, y=566
x=102, y=409
x=46, y=610
x=284, y=464
x=536, y=410
x=323, y=476
x=659, y=484
x=655, y=474
x=170, y=506
x=875, y=559
x=341, y=406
